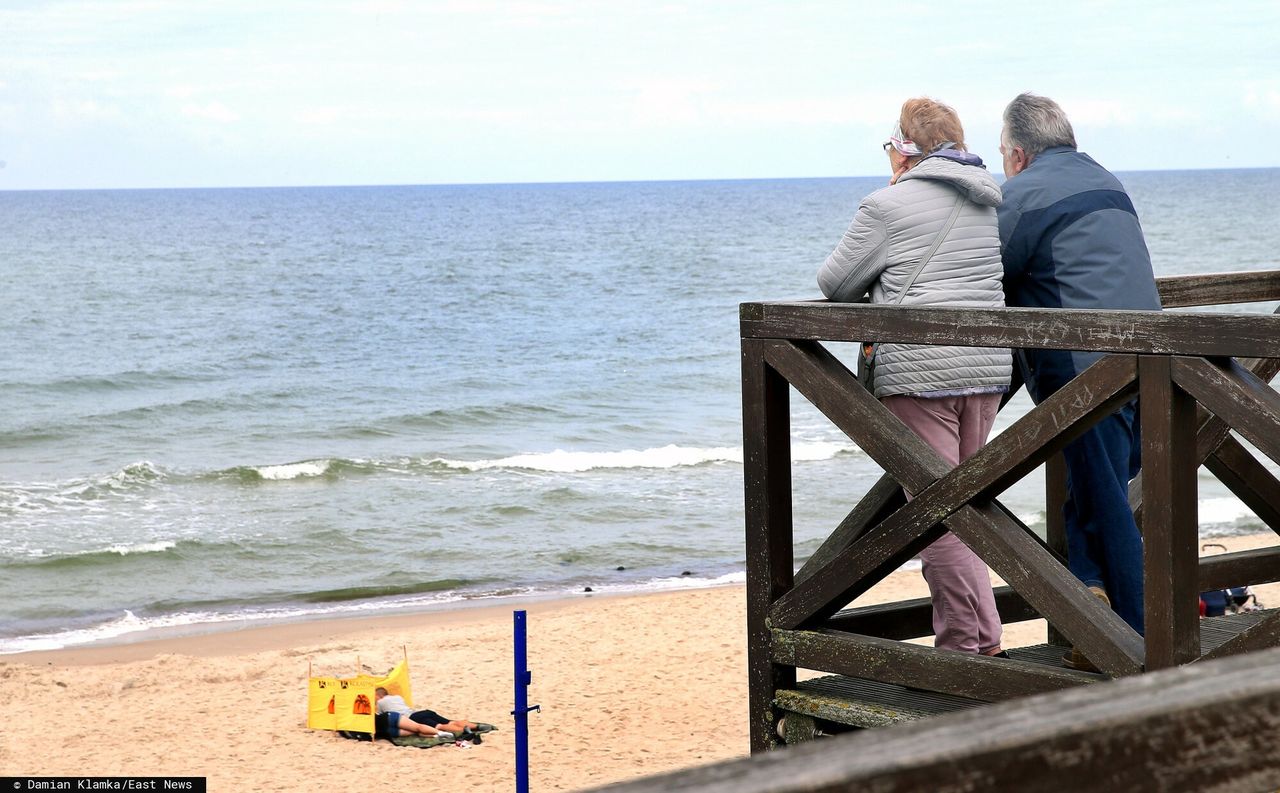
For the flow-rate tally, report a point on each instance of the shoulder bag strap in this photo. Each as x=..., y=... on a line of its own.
x=937, y=243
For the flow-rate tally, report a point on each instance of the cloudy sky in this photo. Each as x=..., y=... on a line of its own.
x=157, y=93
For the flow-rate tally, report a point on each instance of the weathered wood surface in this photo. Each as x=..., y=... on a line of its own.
x=1134, y=332
x=1264, y=635
x=1248, y=479
x=1170, y=554
x=1241, y=568
x=1237, y=396
x=865, y=703
x=766, y=445
x=960, y=674
x=1215, y=289
x=1209, y=728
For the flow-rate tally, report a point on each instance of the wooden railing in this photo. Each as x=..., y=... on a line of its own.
x=1199, y=375
x=1206, y=727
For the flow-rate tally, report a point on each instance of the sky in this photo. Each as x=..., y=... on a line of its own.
x=193, y=93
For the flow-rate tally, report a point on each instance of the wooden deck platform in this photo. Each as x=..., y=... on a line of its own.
x=857, y=703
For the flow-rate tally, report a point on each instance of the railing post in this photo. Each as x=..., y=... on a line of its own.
x=1055, y=525
x=766, y=445
x=1169, y=517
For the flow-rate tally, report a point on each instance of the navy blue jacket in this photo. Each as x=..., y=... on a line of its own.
x=1070, y=238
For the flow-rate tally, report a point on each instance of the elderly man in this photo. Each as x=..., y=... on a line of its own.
x=1070, y=238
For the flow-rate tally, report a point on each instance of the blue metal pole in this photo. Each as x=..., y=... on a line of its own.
x=523, y=678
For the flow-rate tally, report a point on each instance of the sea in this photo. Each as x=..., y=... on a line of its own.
x=231, y=407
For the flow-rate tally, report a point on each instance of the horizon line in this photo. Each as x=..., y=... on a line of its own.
x=543, y=183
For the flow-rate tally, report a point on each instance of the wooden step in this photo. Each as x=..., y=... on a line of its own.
x=855, y=702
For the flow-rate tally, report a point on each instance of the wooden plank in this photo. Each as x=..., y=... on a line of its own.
x=1249, y=479
x=912, y=619
x=867, y=703
x=1263, y=636
x=1170, y=525
x=1055, y=525
x=1214, y=289
x=959, y=674
x=766, y=444
x=1174, y=731
x=1132, y=332
x=1241, y=568
x=1236, y=396
x=880, y=501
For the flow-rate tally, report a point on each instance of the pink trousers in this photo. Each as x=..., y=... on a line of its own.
x=964, y=610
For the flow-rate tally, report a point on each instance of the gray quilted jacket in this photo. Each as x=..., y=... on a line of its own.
x=892, y=230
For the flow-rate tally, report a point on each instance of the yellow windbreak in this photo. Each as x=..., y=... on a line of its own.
x=348, y=703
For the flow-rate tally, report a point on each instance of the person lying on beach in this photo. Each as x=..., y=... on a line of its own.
x=406, y=720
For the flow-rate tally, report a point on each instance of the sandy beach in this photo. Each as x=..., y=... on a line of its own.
x=629, y=686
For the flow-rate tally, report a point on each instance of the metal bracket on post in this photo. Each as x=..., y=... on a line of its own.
x=523, y=679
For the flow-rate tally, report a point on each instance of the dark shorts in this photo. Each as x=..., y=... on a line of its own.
x=393, y=725
x=428, y=717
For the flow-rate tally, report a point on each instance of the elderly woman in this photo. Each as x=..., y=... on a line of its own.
x=930, y=239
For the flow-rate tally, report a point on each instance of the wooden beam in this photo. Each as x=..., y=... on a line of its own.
x=1131, y=332
x=1236, y=396
x=1241, y=568
x=1248, y=479
x=1170, y=526
x=912, y=619
x=1215, y=289
x=1055, y=524
x=1175, y=731
x=766, y=444
x=946, y=671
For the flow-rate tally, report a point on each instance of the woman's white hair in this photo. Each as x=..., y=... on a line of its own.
x=1035, y=123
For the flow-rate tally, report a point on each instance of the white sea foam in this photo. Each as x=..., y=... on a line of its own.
x=129, y=623
x=306, y=468
x=667, y=583
x=142, y=547
x=1225, y=510
x=669, y=456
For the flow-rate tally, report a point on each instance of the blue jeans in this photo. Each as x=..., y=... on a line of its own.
x=1104, y=547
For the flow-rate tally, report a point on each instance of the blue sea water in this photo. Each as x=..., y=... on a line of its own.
x=276, y=403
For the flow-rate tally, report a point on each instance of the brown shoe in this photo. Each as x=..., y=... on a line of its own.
x=1075, y=659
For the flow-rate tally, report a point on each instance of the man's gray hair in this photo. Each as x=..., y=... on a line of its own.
x=1035, y=123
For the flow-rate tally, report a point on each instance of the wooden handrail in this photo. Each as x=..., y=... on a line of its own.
x=1216, y=289
x=1133, y=332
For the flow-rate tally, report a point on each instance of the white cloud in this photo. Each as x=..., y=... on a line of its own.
x=320, y=116
x=84, y=110
x=212, y=111
x=1264, y=99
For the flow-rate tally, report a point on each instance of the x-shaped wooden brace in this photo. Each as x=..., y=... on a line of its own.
x=958, y=500
x=1244, y=402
